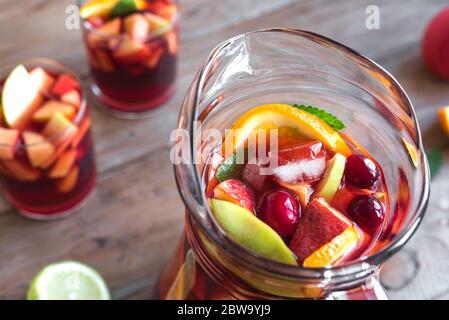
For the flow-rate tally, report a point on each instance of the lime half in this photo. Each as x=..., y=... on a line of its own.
x=68, y=280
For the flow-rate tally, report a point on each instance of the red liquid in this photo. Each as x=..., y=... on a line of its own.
x=138, y=82
x=41, y=197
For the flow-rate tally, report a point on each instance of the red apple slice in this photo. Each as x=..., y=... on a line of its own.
x=137, y=26
x=60, y=149
x=38, y=148
x=320, y=224
x=172, y=42
x=63, y=165
x=20, y=171
x=109, y=29
x=300, y=163
x=131, y=51
x=20, y=98
x=8, y=141
x=237, y=192
x=43, y=80
x=83, y=129
x=64, y=84
x=68, y=183
x=51, y=107
x=59, y=129
x=73, y=98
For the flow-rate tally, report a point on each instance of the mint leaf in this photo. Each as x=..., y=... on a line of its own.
x=330, y=119
x=435, y=158
x=124, y=7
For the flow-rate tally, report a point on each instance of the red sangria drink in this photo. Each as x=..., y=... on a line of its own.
x=300, y=164
x=132, y=48
x=317, y=201
x=47, y=166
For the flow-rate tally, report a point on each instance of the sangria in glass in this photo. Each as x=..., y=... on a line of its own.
x=132, y=48
x=321, y=204
x=47, y=166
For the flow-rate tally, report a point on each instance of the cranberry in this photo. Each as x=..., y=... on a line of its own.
x=281, y=211
x=367, y=211
x=361, y=172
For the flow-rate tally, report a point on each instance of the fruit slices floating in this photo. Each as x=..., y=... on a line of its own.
x=37, y=133
x=295, y=198
x=129, y=33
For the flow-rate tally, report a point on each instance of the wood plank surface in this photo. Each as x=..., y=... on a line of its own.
x=131, y=225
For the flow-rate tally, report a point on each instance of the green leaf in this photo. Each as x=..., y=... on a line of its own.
x=330, y=119
x=435, y=158
x=124, y=7
x=229, y=169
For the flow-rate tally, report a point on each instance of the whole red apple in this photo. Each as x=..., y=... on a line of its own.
x=435, y=45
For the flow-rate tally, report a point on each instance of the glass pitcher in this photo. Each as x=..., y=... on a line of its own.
x=293, y=66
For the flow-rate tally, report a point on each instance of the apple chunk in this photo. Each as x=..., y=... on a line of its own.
x=237, y=192
x=42, y=79
x=20, y=171
x=109, y=29
x=20, y=97
x=251, y=232
x=72, y=97
x=303, y=191
x=137, y=26
x=59, y=129
x=68, y=183
x=321, y=225
x=131, y=51
x=51, y=107
x=158, y=24
x=38, y=148
x=63, y=165
x=8, y=141
x=330, y=183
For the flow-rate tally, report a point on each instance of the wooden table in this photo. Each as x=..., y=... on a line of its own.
x=131, y=226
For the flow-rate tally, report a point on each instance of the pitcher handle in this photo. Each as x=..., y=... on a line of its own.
x=370, y=290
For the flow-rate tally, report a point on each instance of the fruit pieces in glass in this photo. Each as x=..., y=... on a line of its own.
x=47, y=164
x=132, y=49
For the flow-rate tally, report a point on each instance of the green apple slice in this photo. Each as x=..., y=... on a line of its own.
x=250, y=232
x=20, y=97
x=332, y=178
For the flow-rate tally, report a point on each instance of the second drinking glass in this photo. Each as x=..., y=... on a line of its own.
x=132, y=48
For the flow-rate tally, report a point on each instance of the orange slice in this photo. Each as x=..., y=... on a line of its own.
x=100, y=8
x=62, y=167
x=38, y=148
x=283, y=115
x=333, y=251
x=443, y=115
x=68, y=183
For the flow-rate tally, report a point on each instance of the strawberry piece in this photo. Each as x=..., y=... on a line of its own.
x=319, y=225
x=64, y=84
